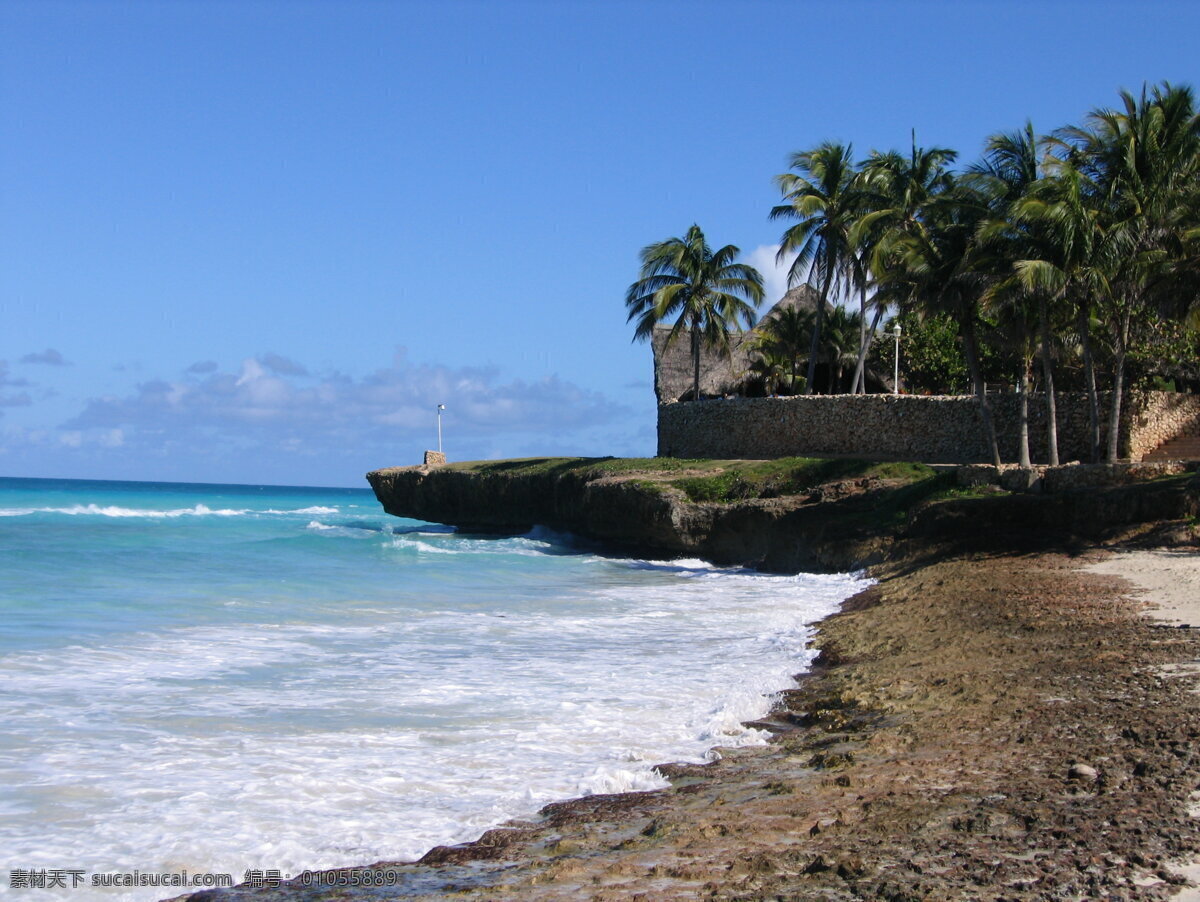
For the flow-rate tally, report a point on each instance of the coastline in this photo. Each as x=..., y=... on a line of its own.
x=987, y=726
x=990, y=720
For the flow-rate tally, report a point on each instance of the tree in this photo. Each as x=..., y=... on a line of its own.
x=934, y=268
x=771, y=367
x=892, y=191
x=1016, y=327
x=785, y=334
x=932, y=359
x=1143, y=160
x=1009, y=172
x=705, y=290
x=1070, y=262
x=839, y=342
x=823, y=195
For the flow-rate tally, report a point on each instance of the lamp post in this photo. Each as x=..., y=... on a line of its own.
x=896, y=374
x=440, y=408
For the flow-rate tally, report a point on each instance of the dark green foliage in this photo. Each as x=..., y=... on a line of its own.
x=931, y=358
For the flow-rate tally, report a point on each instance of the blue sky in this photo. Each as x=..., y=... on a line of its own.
x=260, y=241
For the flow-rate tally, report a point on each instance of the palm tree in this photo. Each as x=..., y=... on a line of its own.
x=1009, y=172
x=1143, y=160
x=1016, y=326
x=934, y=268
x=893, y=189
x=822, y=194
x=786, y=333
x=705, y=290
x=1070, y=262
x=838, y=343
x=771, y=367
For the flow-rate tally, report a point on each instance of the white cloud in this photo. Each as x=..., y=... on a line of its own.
x=261, y=408
x=775, y=275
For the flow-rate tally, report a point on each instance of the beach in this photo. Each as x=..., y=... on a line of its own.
x=1167, y=581
x=990, y=726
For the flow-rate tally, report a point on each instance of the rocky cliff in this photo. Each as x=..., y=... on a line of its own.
x=837, y=525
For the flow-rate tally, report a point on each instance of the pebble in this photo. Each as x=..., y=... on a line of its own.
x=1082, y=772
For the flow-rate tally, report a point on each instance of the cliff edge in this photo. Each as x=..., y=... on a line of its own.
x=782, y=516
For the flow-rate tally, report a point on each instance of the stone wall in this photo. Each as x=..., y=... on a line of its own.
x=907, y=427
x=1159, y=417
x=1069, y=477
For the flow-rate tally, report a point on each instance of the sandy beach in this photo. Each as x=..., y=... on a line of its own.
x=1167, y=582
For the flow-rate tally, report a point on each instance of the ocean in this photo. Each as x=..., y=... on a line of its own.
x=219, y=679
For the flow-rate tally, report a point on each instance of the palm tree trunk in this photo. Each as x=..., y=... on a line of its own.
x=862, y=336
x=1048, y=373
x=971, y=352
x=860, y=368
x=1120, y=340
x=1089, y=374
x=695, y=361
x=815, y=345
x=1023, y=418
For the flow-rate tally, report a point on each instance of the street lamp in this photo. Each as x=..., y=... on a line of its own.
x=896, y=375
x=440, y=408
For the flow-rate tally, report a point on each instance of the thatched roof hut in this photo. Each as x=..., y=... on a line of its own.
x=719, y=374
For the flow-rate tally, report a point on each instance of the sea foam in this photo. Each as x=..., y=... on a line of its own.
x=198, y=510
x=353, y=701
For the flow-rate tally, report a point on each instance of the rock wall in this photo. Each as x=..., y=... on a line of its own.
x=908, y=427
x=1069, y=477
x=1159, y=417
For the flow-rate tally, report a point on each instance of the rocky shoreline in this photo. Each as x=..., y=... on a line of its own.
x=841, y=524
x=986, y=722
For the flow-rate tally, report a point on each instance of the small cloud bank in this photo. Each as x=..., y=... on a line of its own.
x=282, y=366
x=273, y=420
x=12, y=399
x=48, y=357
x=7, y=381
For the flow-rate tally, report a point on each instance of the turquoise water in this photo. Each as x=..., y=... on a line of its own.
x=217, y=678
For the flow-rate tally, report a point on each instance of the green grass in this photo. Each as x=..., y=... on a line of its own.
x=739, y=481
x=720, y=481
x=894, y=508
x=598, y=465
x=911, y=485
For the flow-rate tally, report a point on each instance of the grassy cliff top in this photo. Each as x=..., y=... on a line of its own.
x=720, y=481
